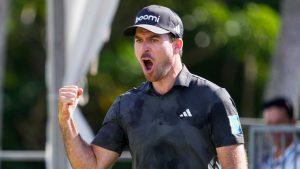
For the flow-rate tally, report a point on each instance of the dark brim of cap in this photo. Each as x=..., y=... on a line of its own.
x=130, y=31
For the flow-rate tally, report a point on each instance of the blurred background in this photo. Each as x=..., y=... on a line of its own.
x=247, y=47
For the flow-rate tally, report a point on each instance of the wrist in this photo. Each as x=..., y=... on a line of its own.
x=68, y=127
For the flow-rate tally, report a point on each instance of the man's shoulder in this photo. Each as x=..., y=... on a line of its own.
x=187, y=79
x=209, y=88
x=202, y=82
x=135, y=91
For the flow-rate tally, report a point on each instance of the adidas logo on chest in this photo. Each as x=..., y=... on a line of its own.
x=186, y=113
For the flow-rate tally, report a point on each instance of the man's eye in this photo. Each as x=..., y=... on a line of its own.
x=154, y=40
x=138, y=40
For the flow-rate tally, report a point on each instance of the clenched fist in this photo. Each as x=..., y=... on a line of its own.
x=67, y=101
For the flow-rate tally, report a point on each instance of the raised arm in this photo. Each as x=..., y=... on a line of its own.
x=233, y=157
x=80, y=154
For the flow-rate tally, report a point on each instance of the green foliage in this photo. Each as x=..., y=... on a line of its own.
x=24, y=81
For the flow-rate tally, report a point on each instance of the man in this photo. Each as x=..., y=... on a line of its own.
x=285, y=153
x=175, y=120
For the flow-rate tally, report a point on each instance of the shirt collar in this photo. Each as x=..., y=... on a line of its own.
x=289, y=151
x=183, y=78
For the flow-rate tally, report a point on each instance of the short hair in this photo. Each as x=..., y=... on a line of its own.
x=281, y=102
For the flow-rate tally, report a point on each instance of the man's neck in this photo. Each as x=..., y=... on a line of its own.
x=279, y=151
x=164, y=85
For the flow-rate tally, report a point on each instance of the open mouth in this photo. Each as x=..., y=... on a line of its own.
x=148, y=64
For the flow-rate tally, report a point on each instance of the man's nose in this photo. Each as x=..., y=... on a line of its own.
x=145, y=46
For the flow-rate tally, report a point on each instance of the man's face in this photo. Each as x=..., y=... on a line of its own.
x=278, y=116
x=155, y=53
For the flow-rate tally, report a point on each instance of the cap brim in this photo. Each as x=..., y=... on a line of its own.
x=130, y=31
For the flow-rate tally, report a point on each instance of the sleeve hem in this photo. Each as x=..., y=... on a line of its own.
x=108, y=148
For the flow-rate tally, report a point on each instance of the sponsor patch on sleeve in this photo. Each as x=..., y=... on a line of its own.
x=235, y=124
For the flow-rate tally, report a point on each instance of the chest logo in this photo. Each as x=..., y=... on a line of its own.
x=186, y=113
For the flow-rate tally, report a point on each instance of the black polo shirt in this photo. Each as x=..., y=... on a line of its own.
x=178, y=130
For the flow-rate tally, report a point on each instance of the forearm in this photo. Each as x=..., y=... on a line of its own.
x=80, y=154
x=233, y=157
x=78, y=151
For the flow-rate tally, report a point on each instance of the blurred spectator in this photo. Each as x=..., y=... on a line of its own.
x=285, y=153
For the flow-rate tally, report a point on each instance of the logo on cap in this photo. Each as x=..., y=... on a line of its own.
x=177, y=29
x=157, y=19
x=147, y=17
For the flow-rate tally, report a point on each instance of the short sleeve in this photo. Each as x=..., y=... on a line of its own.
x=111, y=135
x=225, y=122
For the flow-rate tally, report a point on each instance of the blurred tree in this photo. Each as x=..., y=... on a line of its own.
x=3, y=18
x=24, y=87
x=284, y=78
x=238, y=42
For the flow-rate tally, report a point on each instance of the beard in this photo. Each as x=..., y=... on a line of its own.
x=160, y=71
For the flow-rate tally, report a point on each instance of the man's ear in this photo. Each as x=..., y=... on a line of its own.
x=178, y=44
